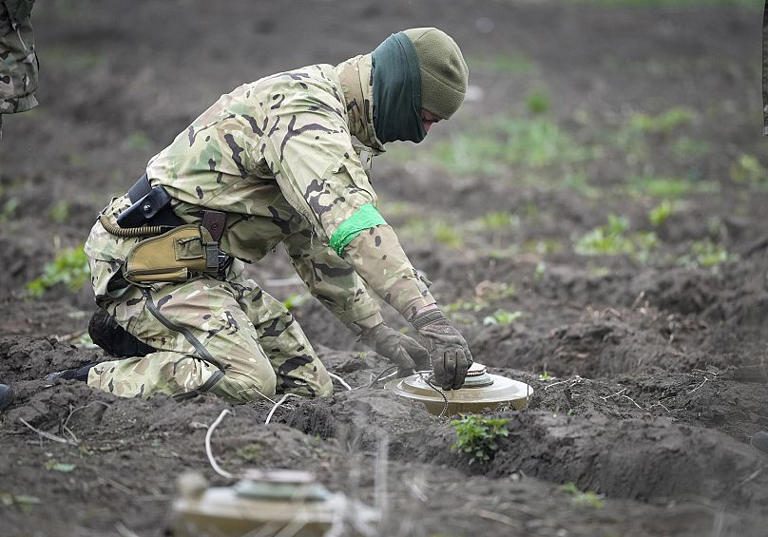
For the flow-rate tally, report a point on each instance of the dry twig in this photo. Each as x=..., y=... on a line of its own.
x=124, y=531
x=575, y=380
x=498, y=517
x=706, y=379
x=48, y=435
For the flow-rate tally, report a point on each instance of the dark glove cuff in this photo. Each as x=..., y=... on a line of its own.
x=427, y=318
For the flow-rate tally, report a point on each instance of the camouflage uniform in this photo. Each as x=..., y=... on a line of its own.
x=278, y=157
x=765, y=69
x=18, y=62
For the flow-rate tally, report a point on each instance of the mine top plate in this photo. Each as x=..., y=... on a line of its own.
x=479, y=387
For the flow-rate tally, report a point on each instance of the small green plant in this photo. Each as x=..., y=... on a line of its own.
x=478, y=437
x=499, y=220
x=668, y=187
x=20, y=501
x=545, y=376
x=663, y=123
x=705, y=254
x=502, y=317
x=498, y=144
x=586, y=499
x=661, y=213
x=251, y=453
x=447, y=235
x=8, y=210
x=503, y=63
x=609, y=239
x=685, y=148
x=62, y=467
x=70, y=267
x=747, y=169
x=614, y=239
x=537, y=102
x=138, y=140
x=435, y=230
x=60, y=211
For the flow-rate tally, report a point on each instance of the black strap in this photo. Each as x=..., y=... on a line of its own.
x=202, y=352
x=214, y=222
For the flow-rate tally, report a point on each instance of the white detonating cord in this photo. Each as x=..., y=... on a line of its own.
x=214, y=465
x=341, y=381
x=279, y=402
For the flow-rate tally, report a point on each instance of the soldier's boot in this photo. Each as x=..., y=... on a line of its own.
x=76, y=373
x=110, y=336
x=760, y=440
x=6, y=396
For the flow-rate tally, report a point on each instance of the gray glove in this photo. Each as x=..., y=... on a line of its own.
x=400, y=349
x=447, y=348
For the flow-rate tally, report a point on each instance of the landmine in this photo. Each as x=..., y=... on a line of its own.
x=481, y=391
x=266, y=503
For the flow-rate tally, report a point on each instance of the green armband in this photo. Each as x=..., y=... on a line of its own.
x=364, y=218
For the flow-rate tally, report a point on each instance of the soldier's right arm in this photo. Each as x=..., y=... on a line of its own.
x=333, y=281
x=311, y=154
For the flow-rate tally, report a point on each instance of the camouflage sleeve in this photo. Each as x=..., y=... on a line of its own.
x=321, y=176
x=333, y=281
x=18, y=62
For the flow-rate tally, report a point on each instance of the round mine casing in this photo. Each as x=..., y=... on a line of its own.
x=265, y=503
x=481, y=391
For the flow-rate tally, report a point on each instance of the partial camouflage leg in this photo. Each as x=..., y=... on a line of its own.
x=295, y=362
x=205, y=342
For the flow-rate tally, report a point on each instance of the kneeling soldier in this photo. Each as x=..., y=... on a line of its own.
x=274, y=161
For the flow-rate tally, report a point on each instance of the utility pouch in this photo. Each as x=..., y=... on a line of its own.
x=174, y=256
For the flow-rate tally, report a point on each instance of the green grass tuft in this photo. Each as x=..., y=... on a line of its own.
x=585, y=499
x=661, y=213
x=537, y=102
x=706, y=254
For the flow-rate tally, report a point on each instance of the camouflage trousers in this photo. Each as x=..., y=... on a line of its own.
x=228, y=337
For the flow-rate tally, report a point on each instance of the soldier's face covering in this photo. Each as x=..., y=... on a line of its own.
x=397, y=91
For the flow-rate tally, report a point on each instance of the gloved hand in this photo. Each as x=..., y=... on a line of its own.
x=400, y=349
x=447, y=348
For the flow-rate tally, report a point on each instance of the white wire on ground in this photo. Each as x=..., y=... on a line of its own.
x=279, y=402
x=341, y=381
x=214, y=465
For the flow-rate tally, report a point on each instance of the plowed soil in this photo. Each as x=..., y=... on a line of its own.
x=649, y=371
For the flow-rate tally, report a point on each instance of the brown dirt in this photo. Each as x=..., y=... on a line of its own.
x=659, y=375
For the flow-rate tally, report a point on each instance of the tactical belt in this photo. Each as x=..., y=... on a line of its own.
x=173, y=251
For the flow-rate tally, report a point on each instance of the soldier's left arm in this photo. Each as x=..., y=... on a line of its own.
x=321, y=176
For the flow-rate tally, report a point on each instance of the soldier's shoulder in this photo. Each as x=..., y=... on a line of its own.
x=310, y=77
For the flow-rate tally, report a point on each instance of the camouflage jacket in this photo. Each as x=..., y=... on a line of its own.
x=18, y=62
x=278, y=156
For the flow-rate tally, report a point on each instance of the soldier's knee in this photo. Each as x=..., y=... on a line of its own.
x=325, y=390
x=242, y=388
x=325, y=386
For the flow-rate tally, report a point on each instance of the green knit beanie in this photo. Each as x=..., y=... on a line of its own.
x=444, y=73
